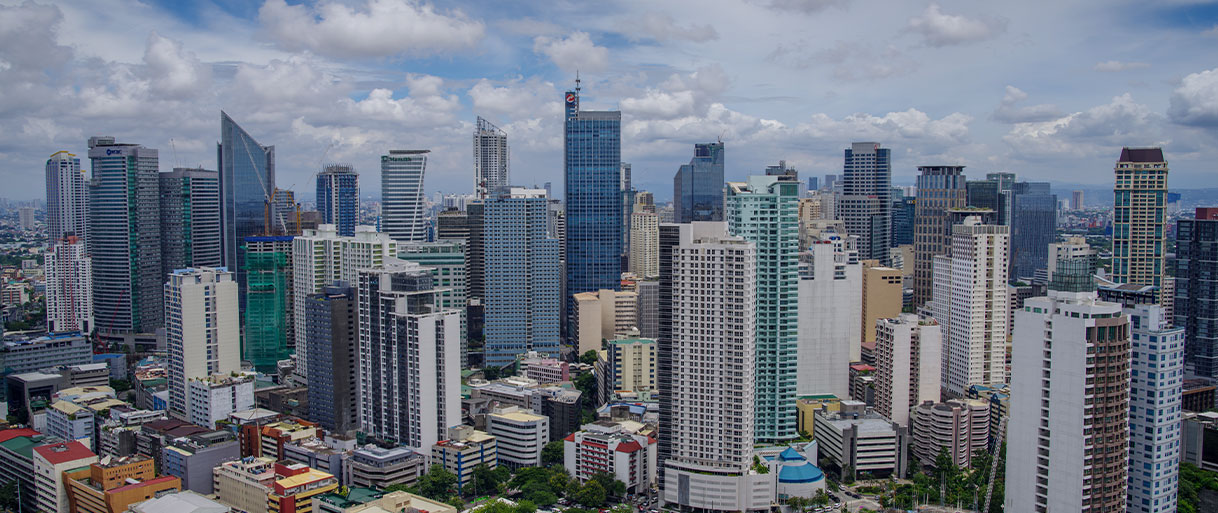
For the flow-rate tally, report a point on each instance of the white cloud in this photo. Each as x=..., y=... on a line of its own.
x=515, y=99
x=806, y=6
x=1195, y=101
x=172, y=71
x=1115, y=66
x=939, y=29
x=1009, y=112
x=575, y=52
x=661, y=27
x=379, y=28
x=1213, y=32
x=1121, y=122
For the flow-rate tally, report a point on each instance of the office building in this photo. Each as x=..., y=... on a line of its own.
x=338, y=197
x=882, y=298
x=940, y=188
x=201, y=330
x=698, y=186
x=592, y=173
x=283, y=214
x=1156, y=384
x=67, y=197
x=1033, y=227
x=112, y=485
x=378, y=467
x=410, y=354
x=959, y=426
x=50, y=463
x=1069, y=407
x=213, y=398
x=247, y=192
x=645, y=244
x=970, y=302
x=491, y=163
x=764, y=211
x=829, y=309
x=190, y=219
x=125, y=238
x=463, y=450
x=520, y=435
x=1139, y=244
x=613, y=448
x=865, y=203
x=521, y=276
x=452, y=225
x=1076, y=200
x=908, y=365
x=1196, y=301
x=857, y=439
x=1069, y=249
x=269, y=315
x=69, y=292
x=447, y=262
x=904, y=212
x=602, y=316
x=330, y=330
x=402, y=195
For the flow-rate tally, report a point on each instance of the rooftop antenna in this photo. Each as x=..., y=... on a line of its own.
x=576, y=82
x=174, y=147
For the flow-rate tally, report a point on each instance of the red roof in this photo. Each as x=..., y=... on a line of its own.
x=862, y=367
x=64, y=452
x=630, y=446
x=9, y=434
x=570, y=437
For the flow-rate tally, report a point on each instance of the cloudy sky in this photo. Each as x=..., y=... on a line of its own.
x=1047, y=89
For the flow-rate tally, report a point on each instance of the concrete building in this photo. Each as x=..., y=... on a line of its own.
x=378, y=502
x=603, y=315
x=866, y=197
x=491, y=158
x=908, y=365
x=379, y=467
x=1139, y=234
x=276, y=436
x=613, y=448
x=53, y=350
x=959, y=426
x=448, y=264
x=190, y=219
x=630, y=366
x=213, y=398
x=1198, y=429
x=463, y=450
x=113, y=484
x=202, y=330
x=1196, y=301
x=940, y=188
x=546, y=370
x=1072, y=247
x=67, y=197
x=245, y=484
x=857, y=439
x=268, y=317
x=50, y=463
x=328, y=455
x=830, y=285
x=882, y=297
x=402, y=195
x=645, y=244
x=330, y=328
x=1156, y=385
x=520, y=435
x=69, y=279
x=193, y=457
x=296, y=486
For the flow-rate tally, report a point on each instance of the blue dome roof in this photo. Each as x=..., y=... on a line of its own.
x=806, y=473
x=791, y=454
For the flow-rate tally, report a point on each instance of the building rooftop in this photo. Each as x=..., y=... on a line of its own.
x=309, y=476
x=9, y=434
x=518, y=416
x=182, y=502
x=64, y=452
x=1141, y=155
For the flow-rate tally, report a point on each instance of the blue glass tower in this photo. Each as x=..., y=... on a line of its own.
x=592, y=164
x=1034, y=227
x=247, y=183
x=338, y=197
x=697, y=188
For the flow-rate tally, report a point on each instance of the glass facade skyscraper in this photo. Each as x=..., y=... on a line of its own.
x=402, y=195
x=190, y=219
x=247, y=184
x=490, y=158
x=1033, y=228
x=865, y=204
x=268, y=315
x=697, y=188
x=338, y=197
x=1196, y=304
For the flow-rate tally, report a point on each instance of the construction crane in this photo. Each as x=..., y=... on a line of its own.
x=995, y=453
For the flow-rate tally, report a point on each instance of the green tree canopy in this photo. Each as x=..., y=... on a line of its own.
x=553, y=453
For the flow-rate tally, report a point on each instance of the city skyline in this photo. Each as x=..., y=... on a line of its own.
x=348, y=99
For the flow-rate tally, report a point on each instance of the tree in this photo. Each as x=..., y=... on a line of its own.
x=438, y=483
x=485, y=480
x=589, y=357
x=847, y=474
x=612, y=487
x=553, y=453
x=9, y=496
x=591, y=494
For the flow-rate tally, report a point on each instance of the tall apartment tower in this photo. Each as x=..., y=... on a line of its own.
x=402, y=195
x=940, y=188
x=1033, y=227
x=69, y=278
x=971, y=303
x=247, y=190
x=865, y=203
x=523, y=294
x=410, y=356
x=1155, y=388
x=830, y=306
x=202, y=332
x=882, y=298
x=125, y=238
x=490, y=158
x=698, y=186
x=1069, y=410
x=1139, y=234
x=319, y=258
x=331, y=328
x=765, y=211
x=269, y=315
x=670, y=239
x=190, y=219
x=645, y=244
x=447, y=262
x=908, y=365
x=67, y=197
x=1196, y=302
x=592, y=172
x=713, y=348
x=338, y=197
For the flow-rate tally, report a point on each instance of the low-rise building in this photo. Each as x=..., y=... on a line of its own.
x=50, y=462
x=193, y=457
x=465, y=449
x=276, y=435
x=17, y=462
x=617, y=448
x=181, y=502
x=327, y=455
x=117, y=433
x=214, y=398
x=152, y=437
x=545, y=370
x=1200, y=440
x=244, y=484
x=25, y=354
x=858, y=440
x=1000, y=403
x=113, y=484
x=962, y=427
x=296, y=486
x=381, y=503
x=806, y=408
x=797, y=475
x=379, y=467
x=520, y=435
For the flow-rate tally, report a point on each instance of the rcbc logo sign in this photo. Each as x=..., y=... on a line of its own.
x=570, y=98
x=113, y=152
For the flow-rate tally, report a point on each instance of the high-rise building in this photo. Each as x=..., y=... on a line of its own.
x=190, y=219
x=592, y=170
x=283, y=214
x=446, y=261
x=1076, y=200
x=670, y=239
x=831, y=183
x=491, y=163
x=1006, y=196
x=319, y=258
x=1156, y=385
x=1139, y=234
x=830, y=282
x=1072, y=247
x=1196, y=301
x=125, y=238
x=331, y=332
x=904, y=213
x=67, y=197
x=452, y=225
x=813, y=183
x=1033, y=228
x=865, y=204
x=25, y=218
x=940, y=188
x=247, y=188
x=628, y=193
x=522, y=276
x=970, y=302
x=69, y=275
x=201, y=330
x=410, y=354
x=698, y=186
x=402, y=195
x=645, y=244
x=764, y=211
x=269, y=316
x=908, y=364
x=713, y=347
x=338, y=197
x=1069, y=406
x=882, y=298
x=604, y=315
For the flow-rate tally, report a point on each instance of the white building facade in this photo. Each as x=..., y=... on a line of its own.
x=202, y=330
x=645, y=244
x=214, y=398
x=830, y=309
x=520, y=436
x=69, y=274
x=908, y=362
x=1155, y=415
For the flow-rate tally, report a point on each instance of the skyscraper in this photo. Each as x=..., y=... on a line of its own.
x=190, y=219
x=410, y=374
x=670, y=239
x=939, y=188
x=908, y=364
x=67, y=197
x=592, y=173
x=1196, y=301
x=125, y=238
x=765, y=211
x=645, y=244
x=1076, y=200
x=69, y=278
x=698, y=186
x=338, y=197
x=1156, y=383
x=490, y=158
x=402, y=195
x=247, y=187
x=332, y=332
x=830, y=306
x=446, y=262
x=865, y=204
x=201, y=330
x=269, y=316
x=522, y=276
x=1033, y=228
x=1139, y=237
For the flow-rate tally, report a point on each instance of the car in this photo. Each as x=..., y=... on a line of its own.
x=837, y=505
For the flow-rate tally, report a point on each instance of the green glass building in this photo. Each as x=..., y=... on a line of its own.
x=447, y=263
x=268, y=307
